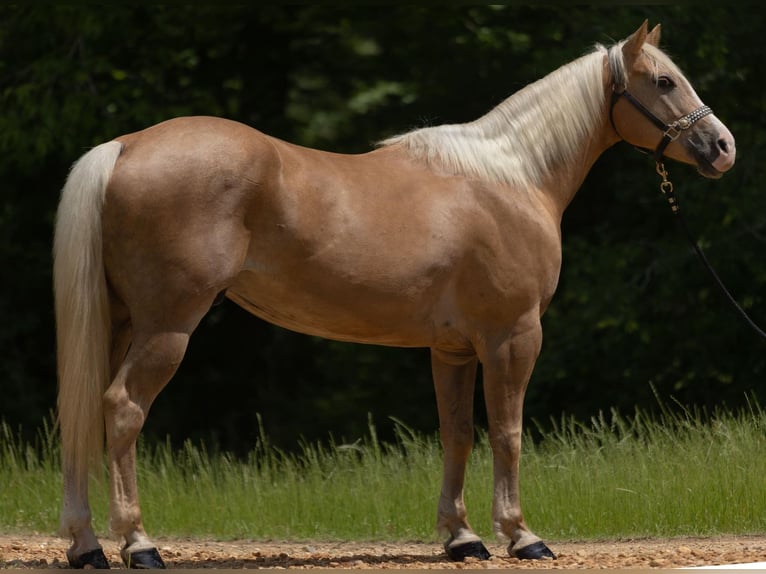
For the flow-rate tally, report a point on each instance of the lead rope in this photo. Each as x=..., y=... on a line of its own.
x=667, y=190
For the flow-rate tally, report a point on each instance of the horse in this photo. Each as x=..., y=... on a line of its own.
x=446, y=237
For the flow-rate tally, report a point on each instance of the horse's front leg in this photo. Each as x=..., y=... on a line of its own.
x=454, y=381
x=507, y=367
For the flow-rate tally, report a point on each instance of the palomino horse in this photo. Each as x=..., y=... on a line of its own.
x=446, y=237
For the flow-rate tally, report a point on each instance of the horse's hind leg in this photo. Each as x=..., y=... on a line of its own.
x=454, y=381
x=150, y=362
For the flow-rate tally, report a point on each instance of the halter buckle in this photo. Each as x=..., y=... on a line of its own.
x=674, y=130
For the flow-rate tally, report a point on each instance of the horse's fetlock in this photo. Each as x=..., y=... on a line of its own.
x=509, y=524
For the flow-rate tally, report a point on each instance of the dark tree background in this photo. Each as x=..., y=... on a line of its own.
x=634, y=311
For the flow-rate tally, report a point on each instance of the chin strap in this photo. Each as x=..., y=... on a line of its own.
x=666, y=187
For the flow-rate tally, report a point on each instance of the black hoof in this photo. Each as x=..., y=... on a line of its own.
x=468, y=550
x=93, y=559
x=535, y=551
x=144, y=559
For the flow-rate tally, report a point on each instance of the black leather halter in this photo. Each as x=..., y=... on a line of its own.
x=670, y=132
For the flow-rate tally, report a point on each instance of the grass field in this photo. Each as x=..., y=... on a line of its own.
x=614, y=476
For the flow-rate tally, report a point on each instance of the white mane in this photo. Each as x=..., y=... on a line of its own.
x=527, y=135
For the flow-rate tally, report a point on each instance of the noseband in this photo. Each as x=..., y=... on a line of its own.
x=670, y=132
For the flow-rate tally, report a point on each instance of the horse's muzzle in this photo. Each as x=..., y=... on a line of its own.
x=714, y=150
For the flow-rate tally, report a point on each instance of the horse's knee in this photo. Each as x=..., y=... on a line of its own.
x=505, y=443
x=457, y=436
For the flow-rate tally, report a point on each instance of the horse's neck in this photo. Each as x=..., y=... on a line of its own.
x=550, y=133
x=545, y=137
x=561, y=184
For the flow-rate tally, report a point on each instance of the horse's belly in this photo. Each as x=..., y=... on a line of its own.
x=344, y=314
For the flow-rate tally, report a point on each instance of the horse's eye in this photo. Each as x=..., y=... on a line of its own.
x=665, y=82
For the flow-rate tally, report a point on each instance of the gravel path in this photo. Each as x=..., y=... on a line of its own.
x=45, y=552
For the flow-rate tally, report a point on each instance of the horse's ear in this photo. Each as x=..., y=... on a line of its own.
x=653, y=37
x=632, y=46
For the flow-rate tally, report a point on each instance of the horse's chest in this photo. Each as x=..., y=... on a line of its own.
x=516, y=269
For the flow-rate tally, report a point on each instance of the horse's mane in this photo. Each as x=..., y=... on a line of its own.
x=524, y=137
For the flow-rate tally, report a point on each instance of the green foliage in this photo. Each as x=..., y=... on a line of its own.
x=633, y=308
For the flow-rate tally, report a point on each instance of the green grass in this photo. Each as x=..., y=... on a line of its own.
x=614, y=476
x=685, y=474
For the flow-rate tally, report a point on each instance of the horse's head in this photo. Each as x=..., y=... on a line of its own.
x=654, y=106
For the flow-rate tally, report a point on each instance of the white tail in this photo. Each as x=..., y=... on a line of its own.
x=83, y=328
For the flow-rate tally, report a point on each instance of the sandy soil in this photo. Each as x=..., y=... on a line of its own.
x=45, y=552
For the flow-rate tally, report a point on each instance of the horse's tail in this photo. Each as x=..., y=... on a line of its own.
x=83, y=323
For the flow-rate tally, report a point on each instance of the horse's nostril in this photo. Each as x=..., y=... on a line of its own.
x=723, y=145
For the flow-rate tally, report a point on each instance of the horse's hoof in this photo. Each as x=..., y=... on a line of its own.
x=93, y=559
x=143, y=559
x=473, y=549
x=535, y=551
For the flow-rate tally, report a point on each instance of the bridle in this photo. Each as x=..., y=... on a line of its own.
x=670, y=131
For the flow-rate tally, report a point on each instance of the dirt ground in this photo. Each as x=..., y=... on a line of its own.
x=45, y=552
